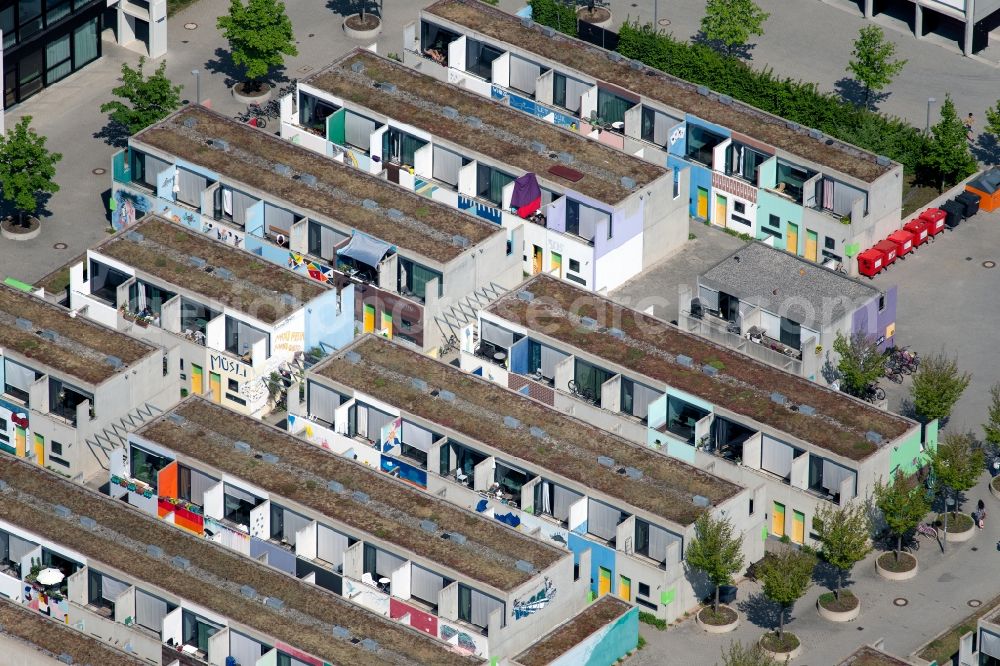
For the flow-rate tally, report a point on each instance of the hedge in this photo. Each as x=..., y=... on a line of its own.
x=556, y=14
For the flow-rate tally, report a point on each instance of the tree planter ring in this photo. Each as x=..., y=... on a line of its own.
x=10, y=230
x=780, y=657
x=993, y=489
x=243, y=97
x=718, y=628
x=601, y=23
x=359, y=33
x=959, y=537
x=839, y=616
x=898, y=575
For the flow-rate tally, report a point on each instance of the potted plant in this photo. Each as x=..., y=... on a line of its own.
x=786, y=576
x=903, y=504
x=260, y=36
x=594, y=12
x=717, y=552
x=844, y=532
x=27, y=171
x=362, y=24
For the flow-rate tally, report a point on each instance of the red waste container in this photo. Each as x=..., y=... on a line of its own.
x=903, y=240
x=934, y=217
x=918, y=228
x=888, y=248
x=871, y=262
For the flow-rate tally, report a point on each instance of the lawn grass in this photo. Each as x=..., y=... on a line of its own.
x=916, y=196
x=942, y=648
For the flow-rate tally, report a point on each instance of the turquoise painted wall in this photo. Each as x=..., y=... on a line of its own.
x=606, y=645
x=788, y=211
x=657, y=414
x=906, y=454
x=690, y=399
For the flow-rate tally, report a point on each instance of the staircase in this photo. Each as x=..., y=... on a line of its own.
x=452, y=320
x=115, y=435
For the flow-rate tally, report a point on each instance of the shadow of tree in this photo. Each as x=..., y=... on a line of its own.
x=223, y=64
x=113, y=133
x=853, y=92
x=346, y=8
x=986, y=148
x=828, y=576
x=761, y=611
x=740, y=52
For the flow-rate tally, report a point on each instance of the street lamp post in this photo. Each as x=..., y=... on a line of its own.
x=927, y=126
x=197, y=85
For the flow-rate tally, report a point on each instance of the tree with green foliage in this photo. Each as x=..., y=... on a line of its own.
x=903, y=504
x=861, y=362
x=872, y=63
x=957, y=465
x=144, y=100
x=991, y=429
x=947, y=159
x=260, y=36
x=27, y=168
x=738, y=654
x=845, y=533
x=716, y=551
x=731, y=23
x=786, y=576
x=937, y=386
x=555, y=14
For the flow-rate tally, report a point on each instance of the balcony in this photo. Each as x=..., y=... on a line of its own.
x=492, y=353
x=719, y=331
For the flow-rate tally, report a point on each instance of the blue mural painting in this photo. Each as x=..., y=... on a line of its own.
x=488, y=213
x=536, y=602
x=464, y=640
x=533, y=108
x=127, y=207
x=404, y=471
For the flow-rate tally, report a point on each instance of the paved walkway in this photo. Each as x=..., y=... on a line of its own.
x=936, y=599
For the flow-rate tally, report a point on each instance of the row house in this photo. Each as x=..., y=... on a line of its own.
x=795, y=443
x=230, y=318
x=750, y=171
x=69, y=385
x=130, y=579
x=625, y=513
x=372, y=538
x=590, y=214
x=410, y=259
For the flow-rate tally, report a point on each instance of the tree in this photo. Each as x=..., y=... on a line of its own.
x=946, y=157
x=956, y=465
x=993, y=120
x=844, y=533
x=732, y=22
x=27, y=168
x=715, y=551
x=146, y=99
x=903, y=504
x=872, y=61
x=991, y=429
x=738, y=654
x=861, y=362
x=786, y=576
x=259, y=35
x=937, y=386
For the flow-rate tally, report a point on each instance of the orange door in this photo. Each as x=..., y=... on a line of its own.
x=778, y=520
x=536, y=260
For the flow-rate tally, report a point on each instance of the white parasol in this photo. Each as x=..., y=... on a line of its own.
x=50, y=577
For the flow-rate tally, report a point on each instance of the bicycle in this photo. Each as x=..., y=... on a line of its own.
x=580, y=392
x=893, y=375
x=923, y=529
x=873, y=393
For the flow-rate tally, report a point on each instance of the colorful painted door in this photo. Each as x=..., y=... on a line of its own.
x=778, y=520
x=556, y=264
x=387, y=324
x=368, y=319
x=197, y=380
x=798, y=526
x=812, y=245
x=215, y=385
x=625, y=588
x=720, y=211
x=702, y=203
x=20, y=441
x=536, y=260
x=792, y=244
x=40, y=449
x=603, y=581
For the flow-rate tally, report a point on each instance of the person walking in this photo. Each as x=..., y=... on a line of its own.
x=969, y=122
x=981, y=514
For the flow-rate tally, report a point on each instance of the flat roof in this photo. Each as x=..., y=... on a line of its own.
x=567, y=446
x=209, y=432
x=650, y=347
x=869, y=656
x=253, y=286
x=506, y=135
x=761, y=274
x=561, y=640
x=656, y=85
x=57, y=639
x=247, y=155
x=215, y=575
x=79, y=347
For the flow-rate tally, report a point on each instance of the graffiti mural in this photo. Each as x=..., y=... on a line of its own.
x=460, y=639
x=127, y=207
x=390, y=435
x=536, y=602
x=299, y=263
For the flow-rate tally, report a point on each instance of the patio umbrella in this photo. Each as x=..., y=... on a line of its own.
x=50, y=577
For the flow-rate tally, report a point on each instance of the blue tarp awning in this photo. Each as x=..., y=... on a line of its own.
x=365, y=249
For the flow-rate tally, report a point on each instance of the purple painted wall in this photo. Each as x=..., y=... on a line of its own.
x=868, y=319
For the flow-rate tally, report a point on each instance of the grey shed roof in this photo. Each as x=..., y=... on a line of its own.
x=760, y=274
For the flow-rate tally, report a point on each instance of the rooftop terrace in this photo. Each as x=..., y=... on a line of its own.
x=506, y=134
x=213, y=575
x=56, y=639
x=651, y=347
x=656, y=85
x=567, y=446
x=80, y=348
x=252, y=286
x=209, y=433
x=249, y=156
x=561, y=640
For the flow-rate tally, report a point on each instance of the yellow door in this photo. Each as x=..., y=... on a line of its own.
x=792, y=244
x=798, y=526
x=603, y=581
x=625, y=588
x=387, y=324
x=812, y=245
x=720, y=211
x=702, y=203
x=215, y=384
x=556, y=264
x=197, y=380
x=536, y=260
x=778, y=520
x=40, y=449
x=368, y=320
x=20, y=441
